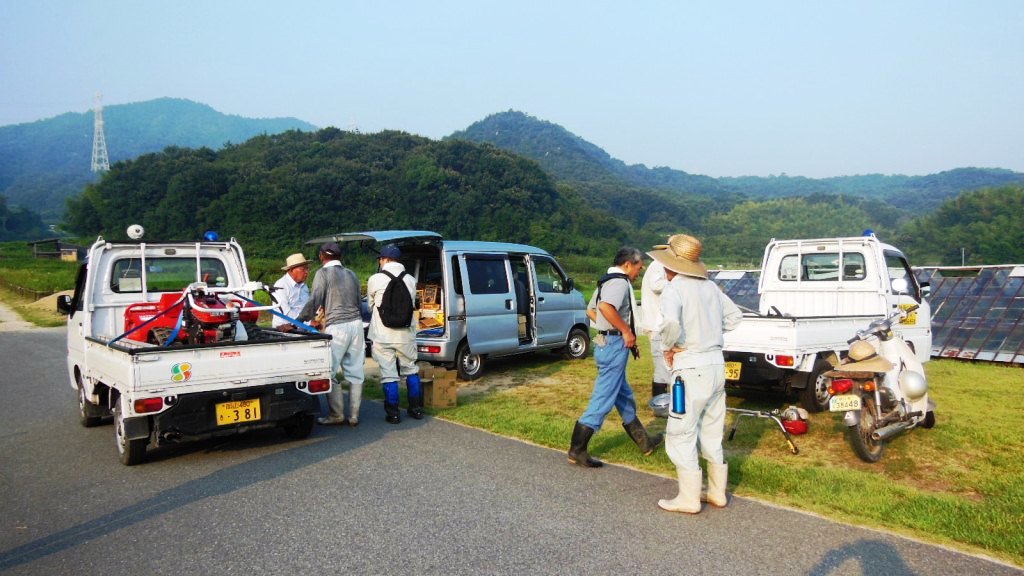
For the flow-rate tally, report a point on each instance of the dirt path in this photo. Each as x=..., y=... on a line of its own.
x=10, y=321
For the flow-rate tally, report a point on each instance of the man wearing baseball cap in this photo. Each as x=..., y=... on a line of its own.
x=394, y=347
x=291, y=291
x=336, y=292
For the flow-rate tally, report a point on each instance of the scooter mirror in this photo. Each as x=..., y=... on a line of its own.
x=900, y=285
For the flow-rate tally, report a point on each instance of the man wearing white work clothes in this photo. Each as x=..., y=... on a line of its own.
x=650, y=323
x=291, y=291
x=394, y=348
x=695, y=315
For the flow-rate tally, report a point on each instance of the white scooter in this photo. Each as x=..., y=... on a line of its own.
x=880, y=387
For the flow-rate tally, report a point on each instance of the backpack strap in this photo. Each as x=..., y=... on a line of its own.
x=620, y=276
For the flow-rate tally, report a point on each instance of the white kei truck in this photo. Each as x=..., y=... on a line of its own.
x=163, y=337
x=814, y=296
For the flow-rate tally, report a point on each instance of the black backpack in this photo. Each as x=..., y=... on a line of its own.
x=396, y=306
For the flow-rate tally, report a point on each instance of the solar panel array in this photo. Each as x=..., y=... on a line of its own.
x=977, y=314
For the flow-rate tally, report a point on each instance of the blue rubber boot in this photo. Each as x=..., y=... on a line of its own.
x=415, y=393
x=391, y=410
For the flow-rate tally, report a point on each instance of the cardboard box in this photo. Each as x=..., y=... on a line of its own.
x=440, y=393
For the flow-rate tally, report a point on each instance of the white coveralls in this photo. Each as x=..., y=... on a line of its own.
x=696, y=313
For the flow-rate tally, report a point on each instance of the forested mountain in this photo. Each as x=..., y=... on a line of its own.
x=274, y=191
x=988, y=225
x=43, y=163
x=570, y=158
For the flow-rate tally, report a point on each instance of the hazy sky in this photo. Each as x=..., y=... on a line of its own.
x=723, y=88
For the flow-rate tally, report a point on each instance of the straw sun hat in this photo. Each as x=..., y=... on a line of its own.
x=294, y=261
x=864, y=358
x=681, y=255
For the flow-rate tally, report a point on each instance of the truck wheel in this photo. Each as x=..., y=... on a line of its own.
x=814, y=395
x=860, y=435
x=470, y=366
x=577, y=346
x=86, y=410
x=299, y=427
x=131, y=452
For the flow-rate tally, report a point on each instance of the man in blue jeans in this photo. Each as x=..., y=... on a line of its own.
x=612, y=315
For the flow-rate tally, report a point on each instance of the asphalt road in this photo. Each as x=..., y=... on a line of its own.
x=425, y=497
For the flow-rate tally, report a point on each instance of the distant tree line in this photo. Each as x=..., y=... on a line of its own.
x=19, y=223
x=274, y=191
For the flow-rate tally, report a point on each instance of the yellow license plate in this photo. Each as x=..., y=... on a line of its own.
x=911, y=319
x=239, y=411
x=844, y=403
x=732, y=370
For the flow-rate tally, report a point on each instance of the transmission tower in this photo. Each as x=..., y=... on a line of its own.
x=100, y=162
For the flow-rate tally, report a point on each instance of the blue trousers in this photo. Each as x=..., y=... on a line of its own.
x=610, y=388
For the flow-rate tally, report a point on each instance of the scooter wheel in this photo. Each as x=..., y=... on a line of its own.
x=929, y=420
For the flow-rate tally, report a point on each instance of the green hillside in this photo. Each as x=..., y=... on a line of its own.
x=570, y=158
x=274, y=191
x=43, y=163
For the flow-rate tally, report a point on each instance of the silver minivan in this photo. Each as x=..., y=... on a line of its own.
x=478, y=300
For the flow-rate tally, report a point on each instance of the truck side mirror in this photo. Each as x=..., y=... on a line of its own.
x=926, y=289
x=64, y=304
x=569, y=285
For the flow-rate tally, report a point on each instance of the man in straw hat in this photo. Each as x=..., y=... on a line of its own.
x=291, y=291
x=695, y=314
x=615, y=338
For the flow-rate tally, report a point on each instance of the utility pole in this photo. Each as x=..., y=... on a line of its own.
x=100, y=162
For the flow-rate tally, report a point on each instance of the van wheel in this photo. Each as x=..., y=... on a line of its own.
x=814, y=395
x=86, y=410
x=470, y=366
x=130, y=452
x=577, y=346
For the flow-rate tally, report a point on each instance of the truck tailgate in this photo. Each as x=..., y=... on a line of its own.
x=793, y=335
x=200, y=369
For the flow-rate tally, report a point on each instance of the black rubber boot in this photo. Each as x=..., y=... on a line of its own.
x=658, y=388
x=578, y=449
x=647, y=444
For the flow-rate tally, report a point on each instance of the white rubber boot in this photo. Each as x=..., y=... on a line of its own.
x=718, y=477
x=688, y=500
